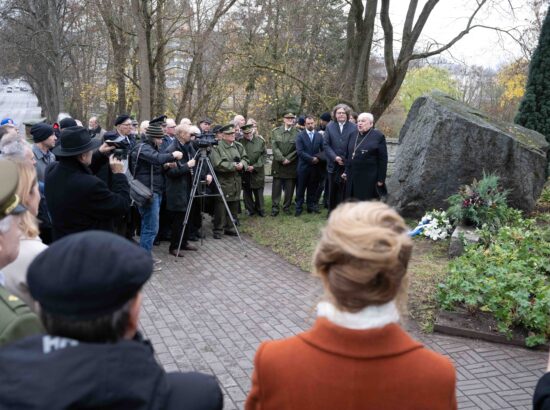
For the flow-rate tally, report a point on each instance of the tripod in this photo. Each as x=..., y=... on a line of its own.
x=202, y=162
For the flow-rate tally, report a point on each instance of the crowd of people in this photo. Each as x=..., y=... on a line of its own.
x=72, y=273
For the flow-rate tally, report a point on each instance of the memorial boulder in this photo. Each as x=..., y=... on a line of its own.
x=445, y=144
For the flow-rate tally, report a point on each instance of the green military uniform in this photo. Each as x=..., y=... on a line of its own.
x=16, y=319
x=283, y=142
x=223, y=158
x=253, y=182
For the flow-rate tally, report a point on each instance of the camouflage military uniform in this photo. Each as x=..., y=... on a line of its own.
x=223, y=158
x=254, y=181
x=284, y=147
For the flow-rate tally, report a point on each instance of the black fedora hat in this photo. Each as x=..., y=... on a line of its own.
x=74, y=141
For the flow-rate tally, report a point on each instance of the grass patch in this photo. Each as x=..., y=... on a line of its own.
x=427, y=268
x=294, y=239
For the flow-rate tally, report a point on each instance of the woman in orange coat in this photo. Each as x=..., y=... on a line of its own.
x=356, y=356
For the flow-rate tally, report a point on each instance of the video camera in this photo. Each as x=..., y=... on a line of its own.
x=206, y=140
x=122, y=146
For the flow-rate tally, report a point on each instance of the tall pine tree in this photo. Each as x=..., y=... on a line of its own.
x=534, y=110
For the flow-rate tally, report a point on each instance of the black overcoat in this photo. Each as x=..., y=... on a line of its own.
x=336, y=143
x=79, y=201
x=366, y=164
x=179, y=180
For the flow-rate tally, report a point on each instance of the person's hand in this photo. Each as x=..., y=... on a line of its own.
x=170, y=165
x=117, y=167
x=191, y=163
x=379, y=183
x=208, y=179
x=250, y=168
x=286, y=162
x=239, y=166
x=177, y=155
x=106, y=148
x=344, y=176
x=315, y=160
x=339, y=160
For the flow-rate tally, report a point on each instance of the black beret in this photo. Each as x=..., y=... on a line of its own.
x=88, y=274
x=41, y=131
x=121, y=118
x=67, y=122
x=216, y=129
x=326, y=116
x=161, y=119
x=301, y=121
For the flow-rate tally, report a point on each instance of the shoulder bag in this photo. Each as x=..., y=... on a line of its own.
x=141, y=195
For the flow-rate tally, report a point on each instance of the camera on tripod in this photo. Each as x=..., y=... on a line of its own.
x=122, y=146
x=206, y=140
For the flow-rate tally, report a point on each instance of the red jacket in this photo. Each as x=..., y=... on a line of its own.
x=331, y=367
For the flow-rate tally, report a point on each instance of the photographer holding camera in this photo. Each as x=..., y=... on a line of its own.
x=179, y=182
x=229, y=158
x=146, y=163
x=77, y=199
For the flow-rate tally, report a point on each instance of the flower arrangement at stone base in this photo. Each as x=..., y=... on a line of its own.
x=434, y=225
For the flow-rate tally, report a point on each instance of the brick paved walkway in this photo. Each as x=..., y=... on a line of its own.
x=209, y=311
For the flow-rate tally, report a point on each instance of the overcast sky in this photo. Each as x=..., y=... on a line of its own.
x=480, y=46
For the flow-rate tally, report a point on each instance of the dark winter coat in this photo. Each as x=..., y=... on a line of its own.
x=366, y=164
x=48, y=372
x=149, y=156
x=336, y=142
x=179, y=180
x=79, y=201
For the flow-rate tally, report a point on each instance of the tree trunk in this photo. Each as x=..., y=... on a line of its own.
x=143, y=61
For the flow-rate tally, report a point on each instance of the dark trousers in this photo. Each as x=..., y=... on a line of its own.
x=308, y=180
x=222, y=221
x=278, y=183
x=253, y=200
x=336, y=189
x=177, y=225
x=323, y=188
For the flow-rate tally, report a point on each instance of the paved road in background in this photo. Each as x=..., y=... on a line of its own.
x=18, y=105
x=210, y=310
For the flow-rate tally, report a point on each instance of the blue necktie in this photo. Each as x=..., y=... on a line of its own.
x=311, y=136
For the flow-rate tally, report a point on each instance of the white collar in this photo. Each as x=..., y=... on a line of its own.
x=368, y=318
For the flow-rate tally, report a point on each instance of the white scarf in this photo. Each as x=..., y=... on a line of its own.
x=370, y=317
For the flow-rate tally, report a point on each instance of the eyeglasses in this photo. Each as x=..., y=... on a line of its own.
x=126, y=123
x=340, y=112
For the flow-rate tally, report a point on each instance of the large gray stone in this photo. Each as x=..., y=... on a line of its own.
x=445, y=144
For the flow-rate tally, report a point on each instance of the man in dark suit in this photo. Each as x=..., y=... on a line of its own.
x=337, y=135
x=92, y=354
x=78, y=200
x=309, y=146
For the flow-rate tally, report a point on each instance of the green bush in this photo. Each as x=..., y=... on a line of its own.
x=482, y=204
x=506, y=274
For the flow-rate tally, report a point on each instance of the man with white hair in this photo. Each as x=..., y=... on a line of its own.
x=366, y=161
x=13, y=146
x=95, y=129
x=238, y=122
x=16, y=319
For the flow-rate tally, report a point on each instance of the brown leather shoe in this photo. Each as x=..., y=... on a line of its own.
x=174, y=252
x=190, y=248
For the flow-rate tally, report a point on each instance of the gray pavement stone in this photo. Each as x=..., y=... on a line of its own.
x=210, y=310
